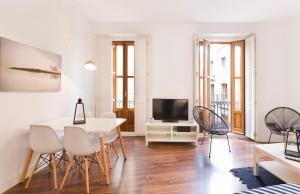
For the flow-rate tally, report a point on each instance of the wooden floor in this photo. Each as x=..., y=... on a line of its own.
x=162, y=168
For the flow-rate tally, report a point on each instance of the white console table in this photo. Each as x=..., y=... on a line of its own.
x=158, y=131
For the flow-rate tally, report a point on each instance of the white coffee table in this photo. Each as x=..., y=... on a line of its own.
x=286, y=170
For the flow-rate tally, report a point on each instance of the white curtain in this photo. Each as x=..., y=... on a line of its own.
x=250, y=87
x=104, y=95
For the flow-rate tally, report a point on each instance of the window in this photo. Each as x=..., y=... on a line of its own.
x=223, y=62
x=123, y=73
x=224, y=92
x=123, y=82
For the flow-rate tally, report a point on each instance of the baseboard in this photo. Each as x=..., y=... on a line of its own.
x=9, y=183
x=14, y=180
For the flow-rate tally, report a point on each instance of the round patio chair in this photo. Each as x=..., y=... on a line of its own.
x=211, y=124
x=280, y=119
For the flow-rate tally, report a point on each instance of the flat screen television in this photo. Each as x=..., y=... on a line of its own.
x=170, y=110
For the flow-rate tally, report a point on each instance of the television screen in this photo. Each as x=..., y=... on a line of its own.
x=170, y=109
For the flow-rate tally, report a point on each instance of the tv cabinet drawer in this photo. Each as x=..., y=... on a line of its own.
x=162, y=130
x=159, y=137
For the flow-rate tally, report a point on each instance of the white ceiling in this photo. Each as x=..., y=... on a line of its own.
x=204, y=11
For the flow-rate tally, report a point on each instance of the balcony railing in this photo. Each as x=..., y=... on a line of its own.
x=220, y=104
x=119, y=101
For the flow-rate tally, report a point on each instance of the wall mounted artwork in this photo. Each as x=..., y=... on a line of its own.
x=24, y=68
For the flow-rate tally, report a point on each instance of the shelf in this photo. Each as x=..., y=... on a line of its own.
x=185, y=133
x=160, y=130
x=187, y=137
x=193, y=131
x=167, y=124
x=159, y=137
x=159, y=140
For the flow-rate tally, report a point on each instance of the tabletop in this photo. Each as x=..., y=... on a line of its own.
x=276, y=151
x=92, y=125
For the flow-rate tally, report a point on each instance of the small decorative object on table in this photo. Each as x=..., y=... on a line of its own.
x=292, y=149
x=81, y=120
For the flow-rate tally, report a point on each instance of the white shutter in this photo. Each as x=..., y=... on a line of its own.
x=104, y=78
x=140, y=113
x=196, y=72
x=250, y=87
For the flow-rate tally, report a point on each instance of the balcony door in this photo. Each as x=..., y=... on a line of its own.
x=221, y=81
x=204, y=74
x=123, y=82
x=238, y=87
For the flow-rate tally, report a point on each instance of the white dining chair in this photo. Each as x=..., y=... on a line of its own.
x=110, y=137
x=44, y=141
x=81, y=147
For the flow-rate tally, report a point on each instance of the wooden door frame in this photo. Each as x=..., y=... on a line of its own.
x=231, y=43
x=206, y=71
x=125, y=77
x=241, y=43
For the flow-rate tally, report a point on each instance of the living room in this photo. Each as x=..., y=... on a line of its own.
x=166, y=37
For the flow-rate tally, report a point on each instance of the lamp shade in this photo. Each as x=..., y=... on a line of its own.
x=90, y=65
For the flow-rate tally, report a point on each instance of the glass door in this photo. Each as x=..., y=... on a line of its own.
x=123, y=82
x=237, y=87
x=204, y=73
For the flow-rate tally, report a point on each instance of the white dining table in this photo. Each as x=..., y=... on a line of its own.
x=98, y=126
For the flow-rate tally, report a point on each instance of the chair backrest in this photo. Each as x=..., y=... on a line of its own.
x=281, y=119
x=77, y=141
x=208, y=120
x=43, y=139
x=113, y=134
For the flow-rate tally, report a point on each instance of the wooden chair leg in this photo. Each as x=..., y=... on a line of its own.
x=81, y=160
x=121, y=142
x=32, y=172
x=103, y=156
x=87, y=175
x=115, y=150
x=66, y=174
x=99, y=162
x=26, y=165
x=62, y=158
x=50, y=163
x=108, y=154
x=54, y=171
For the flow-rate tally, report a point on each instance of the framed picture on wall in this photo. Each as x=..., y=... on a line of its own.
x=24, y=68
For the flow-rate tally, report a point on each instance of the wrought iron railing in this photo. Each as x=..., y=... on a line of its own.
x=220, y=104
x=130, y=103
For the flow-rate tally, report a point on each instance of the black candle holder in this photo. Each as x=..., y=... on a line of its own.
x=292, y=147
x=79, y=121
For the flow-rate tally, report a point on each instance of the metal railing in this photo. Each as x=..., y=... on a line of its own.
x=130, y=103
x=220, y=104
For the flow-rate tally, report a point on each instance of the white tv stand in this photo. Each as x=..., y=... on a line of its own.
x=158, y=131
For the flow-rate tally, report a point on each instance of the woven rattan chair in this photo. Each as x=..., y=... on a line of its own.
x=211, y=124
x=280, y=119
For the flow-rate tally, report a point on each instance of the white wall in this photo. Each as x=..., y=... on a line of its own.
x=49, y=26
x=292, y=94
x=104, y=77
x=171, y=70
